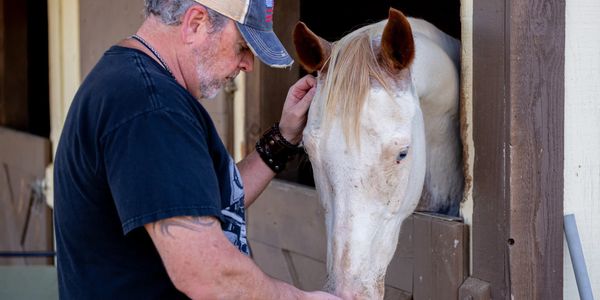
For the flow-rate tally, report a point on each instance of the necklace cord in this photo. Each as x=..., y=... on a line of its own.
x=151, y=49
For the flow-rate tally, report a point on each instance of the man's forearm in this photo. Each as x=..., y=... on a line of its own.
x=203, y=264
x=256, y=175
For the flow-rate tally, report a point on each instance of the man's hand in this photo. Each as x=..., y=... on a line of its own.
x=320, y=296
x=297, y=102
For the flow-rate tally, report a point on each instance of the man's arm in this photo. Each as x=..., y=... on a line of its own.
x=203, y=264
x=255, y=173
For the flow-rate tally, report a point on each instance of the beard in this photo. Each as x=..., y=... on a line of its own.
x=206, y=69
x=209, y=87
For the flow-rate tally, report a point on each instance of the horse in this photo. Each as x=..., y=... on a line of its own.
x=382, y=132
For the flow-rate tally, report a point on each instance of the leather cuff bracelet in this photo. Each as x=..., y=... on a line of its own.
x=275, y=150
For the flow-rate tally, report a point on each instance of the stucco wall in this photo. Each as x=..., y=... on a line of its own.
x=582, y=135
x=103, y=24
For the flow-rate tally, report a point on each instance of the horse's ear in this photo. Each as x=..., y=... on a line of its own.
x=397, y=44
x=312, y=50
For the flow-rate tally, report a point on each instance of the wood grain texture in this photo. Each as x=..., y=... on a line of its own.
x=490, y=135
x=518, y=101
x=440, y=257
x=536, y=61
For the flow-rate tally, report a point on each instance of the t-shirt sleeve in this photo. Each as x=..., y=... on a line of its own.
x=158, y=166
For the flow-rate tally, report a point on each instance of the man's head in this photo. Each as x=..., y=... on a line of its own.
x=212, y=39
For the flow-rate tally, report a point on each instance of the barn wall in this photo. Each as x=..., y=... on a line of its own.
x=582, y=135
x=103, y=24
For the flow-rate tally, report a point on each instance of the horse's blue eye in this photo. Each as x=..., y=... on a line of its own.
x=402, y=155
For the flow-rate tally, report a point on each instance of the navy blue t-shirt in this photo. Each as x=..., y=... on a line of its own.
x=136, y=148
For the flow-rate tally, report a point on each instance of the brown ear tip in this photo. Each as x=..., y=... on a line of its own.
x=395, y=13
x=301, y=28
x=301, y=25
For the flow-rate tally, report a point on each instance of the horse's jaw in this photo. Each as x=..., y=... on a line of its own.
x=359, y=249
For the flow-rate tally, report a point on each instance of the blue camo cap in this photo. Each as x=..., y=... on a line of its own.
x=254, y=19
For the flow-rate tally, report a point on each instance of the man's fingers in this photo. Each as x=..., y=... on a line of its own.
x=305, y=101
x=304, y=84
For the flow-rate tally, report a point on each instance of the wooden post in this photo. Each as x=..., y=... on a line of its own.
x=518, y=98
x=266, y=87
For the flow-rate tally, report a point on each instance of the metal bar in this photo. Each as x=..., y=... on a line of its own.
x=577, y=258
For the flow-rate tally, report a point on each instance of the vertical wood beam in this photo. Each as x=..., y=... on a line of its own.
x=536, y=63
x=266, y=87
x=518, y=91
x=491, y=127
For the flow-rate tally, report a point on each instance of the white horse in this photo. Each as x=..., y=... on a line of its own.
x=382, y=131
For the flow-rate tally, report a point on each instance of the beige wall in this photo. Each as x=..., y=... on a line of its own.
x=582, y=135
x=103, y=24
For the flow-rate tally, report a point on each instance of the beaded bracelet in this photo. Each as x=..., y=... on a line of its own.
x=275, y=150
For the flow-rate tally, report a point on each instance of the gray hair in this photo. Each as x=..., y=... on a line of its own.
x=171, y=12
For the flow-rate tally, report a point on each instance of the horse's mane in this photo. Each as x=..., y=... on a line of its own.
x=352, y=65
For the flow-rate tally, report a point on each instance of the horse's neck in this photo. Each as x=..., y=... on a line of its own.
x=437, y=59
x=436, y=77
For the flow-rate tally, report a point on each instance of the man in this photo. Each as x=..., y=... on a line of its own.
x=148, y=204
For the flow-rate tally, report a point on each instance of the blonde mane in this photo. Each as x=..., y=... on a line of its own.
x=352, y=64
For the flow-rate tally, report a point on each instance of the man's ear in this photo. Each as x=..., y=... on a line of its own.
x=312, y=50
x=195, y=21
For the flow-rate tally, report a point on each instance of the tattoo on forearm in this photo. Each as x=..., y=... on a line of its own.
x=191, y=223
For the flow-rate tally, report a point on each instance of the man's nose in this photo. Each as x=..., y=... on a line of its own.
x=247, y=62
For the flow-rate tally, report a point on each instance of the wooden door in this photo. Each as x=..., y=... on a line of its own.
x=25, y=219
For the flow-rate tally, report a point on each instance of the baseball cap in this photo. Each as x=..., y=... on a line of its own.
x=254, y=19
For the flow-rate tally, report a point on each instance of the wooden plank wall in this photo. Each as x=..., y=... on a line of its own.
x=266, y=87
x=518, y=92
x=221, y=112
x=25, y=221
x=287, y=236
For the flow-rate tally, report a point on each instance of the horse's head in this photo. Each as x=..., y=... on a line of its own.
x=365, y=139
